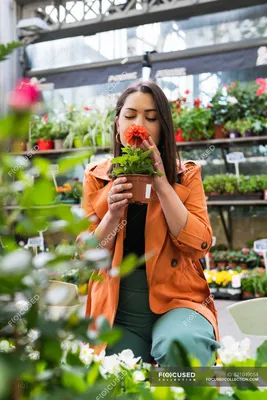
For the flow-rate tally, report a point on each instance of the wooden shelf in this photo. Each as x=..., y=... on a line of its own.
x=96, y=150
x=224, y=142
x=40, y=207
x=237, y=203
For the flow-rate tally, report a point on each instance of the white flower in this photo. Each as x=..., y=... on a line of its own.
x=232, y=100
x=33, y=335
x=232, y=351
x=86, y=354
x=35, y=355
x=6, y=347
x=99, y=357
x=146, y=365
x=127, y=356
x=138, y=376
x=110, y=365
x=75, y=346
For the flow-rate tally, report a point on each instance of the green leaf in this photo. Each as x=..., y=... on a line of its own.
x=51, y=350
x=67, y=163
x=92, y=375
x=73, y=381
x=7, y=49
x=261, y=354
x=111, y=337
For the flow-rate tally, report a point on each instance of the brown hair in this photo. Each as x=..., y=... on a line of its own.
x=167, y=146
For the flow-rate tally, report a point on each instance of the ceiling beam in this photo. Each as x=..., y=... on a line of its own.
x=174, y=10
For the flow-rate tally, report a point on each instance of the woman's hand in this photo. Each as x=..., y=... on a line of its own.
x=159, y=182
x=118, y=201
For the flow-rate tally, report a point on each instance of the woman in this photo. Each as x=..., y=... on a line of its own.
x=168, y=297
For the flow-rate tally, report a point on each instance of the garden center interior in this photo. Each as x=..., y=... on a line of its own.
x=209, y=58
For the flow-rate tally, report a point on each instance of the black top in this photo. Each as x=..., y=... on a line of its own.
x=134, y=241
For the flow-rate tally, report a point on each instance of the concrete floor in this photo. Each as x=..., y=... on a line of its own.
x=228, y=327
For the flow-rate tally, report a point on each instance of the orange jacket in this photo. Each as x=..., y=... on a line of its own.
x=175, y=276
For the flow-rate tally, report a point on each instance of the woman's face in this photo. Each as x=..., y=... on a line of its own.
x=139, y=109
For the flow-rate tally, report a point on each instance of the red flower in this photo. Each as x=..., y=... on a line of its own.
x=135, y=135
x=209, y=106
x=179, y=135
x=197, y=103
x=87, y=108
x=46, y=118
x=24, y=96
x=263, y=86
x=187, y=91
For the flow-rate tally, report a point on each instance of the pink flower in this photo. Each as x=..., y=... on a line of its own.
x=87, y=108
x=263, y=86
x=187, y=91
x=45, y=119
x=24, y=96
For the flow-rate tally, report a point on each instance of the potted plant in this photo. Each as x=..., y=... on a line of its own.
x=70, y=192
x=42, y=133
x=60, y=131
x=196, y=123
x=136, y=165
x=232, y=129
x=79, y=127
x=247, y=288
x=259, y=290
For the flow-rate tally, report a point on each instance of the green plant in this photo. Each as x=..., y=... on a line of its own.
x=134, y=161
x=196, y=123
x=7, y=49
x=41, y=128
x=229, y=183
x=258, y=285
x=247, y=285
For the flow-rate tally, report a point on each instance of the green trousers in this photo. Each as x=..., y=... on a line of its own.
x=149, y=335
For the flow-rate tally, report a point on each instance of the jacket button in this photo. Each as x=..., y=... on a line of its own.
x=204, y=245
x=174, y=262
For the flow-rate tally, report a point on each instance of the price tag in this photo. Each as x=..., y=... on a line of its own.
x=236, y=281
x=213, y=241
x=53, y=169
x=35, y=242
x=260, y=245
x=235, y=157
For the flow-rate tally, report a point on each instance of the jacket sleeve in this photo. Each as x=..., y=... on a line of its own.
x=90, y=185
x=195, y=239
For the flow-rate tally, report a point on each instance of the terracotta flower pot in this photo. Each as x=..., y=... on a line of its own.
x=141, y=190
x=259, y=294
x=219, y=133
x=232, y=265
x=221, y=264
x=45, y=144
x=243, y=265
x=247, y=295
x=19, y=145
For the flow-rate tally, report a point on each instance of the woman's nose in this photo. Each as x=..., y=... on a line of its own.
x=140, y=120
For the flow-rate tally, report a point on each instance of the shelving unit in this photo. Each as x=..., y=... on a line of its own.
x=224, y=145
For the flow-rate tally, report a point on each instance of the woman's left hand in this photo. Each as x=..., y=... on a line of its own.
x=159, y=182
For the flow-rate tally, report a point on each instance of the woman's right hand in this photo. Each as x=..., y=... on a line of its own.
x=117, y=200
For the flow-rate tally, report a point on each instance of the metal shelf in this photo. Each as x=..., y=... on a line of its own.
x=224, y=142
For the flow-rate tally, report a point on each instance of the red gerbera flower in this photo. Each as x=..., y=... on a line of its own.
x=87, y=108
x=187, y=91
x=197, y=103
x=135, y=135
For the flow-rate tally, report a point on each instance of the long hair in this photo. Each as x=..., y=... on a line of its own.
x=167, y=145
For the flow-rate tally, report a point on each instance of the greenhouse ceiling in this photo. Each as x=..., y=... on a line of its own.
x=87, y=17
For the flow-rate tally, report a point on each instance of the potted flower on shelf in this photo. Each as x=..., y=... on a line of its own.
x=247, y=288
x=136, y=165
x=79, y=127
x=60, y=131
x=196, y=123
x=42, y=133
x=70, y=192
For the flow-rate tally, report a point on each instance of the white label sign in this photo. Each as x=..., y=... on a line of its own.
x=53, y=169
x=35, y=242
x=236, y=281
x=213, y=240
x=260, y=245
x=148, y=191
x=235, y=157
